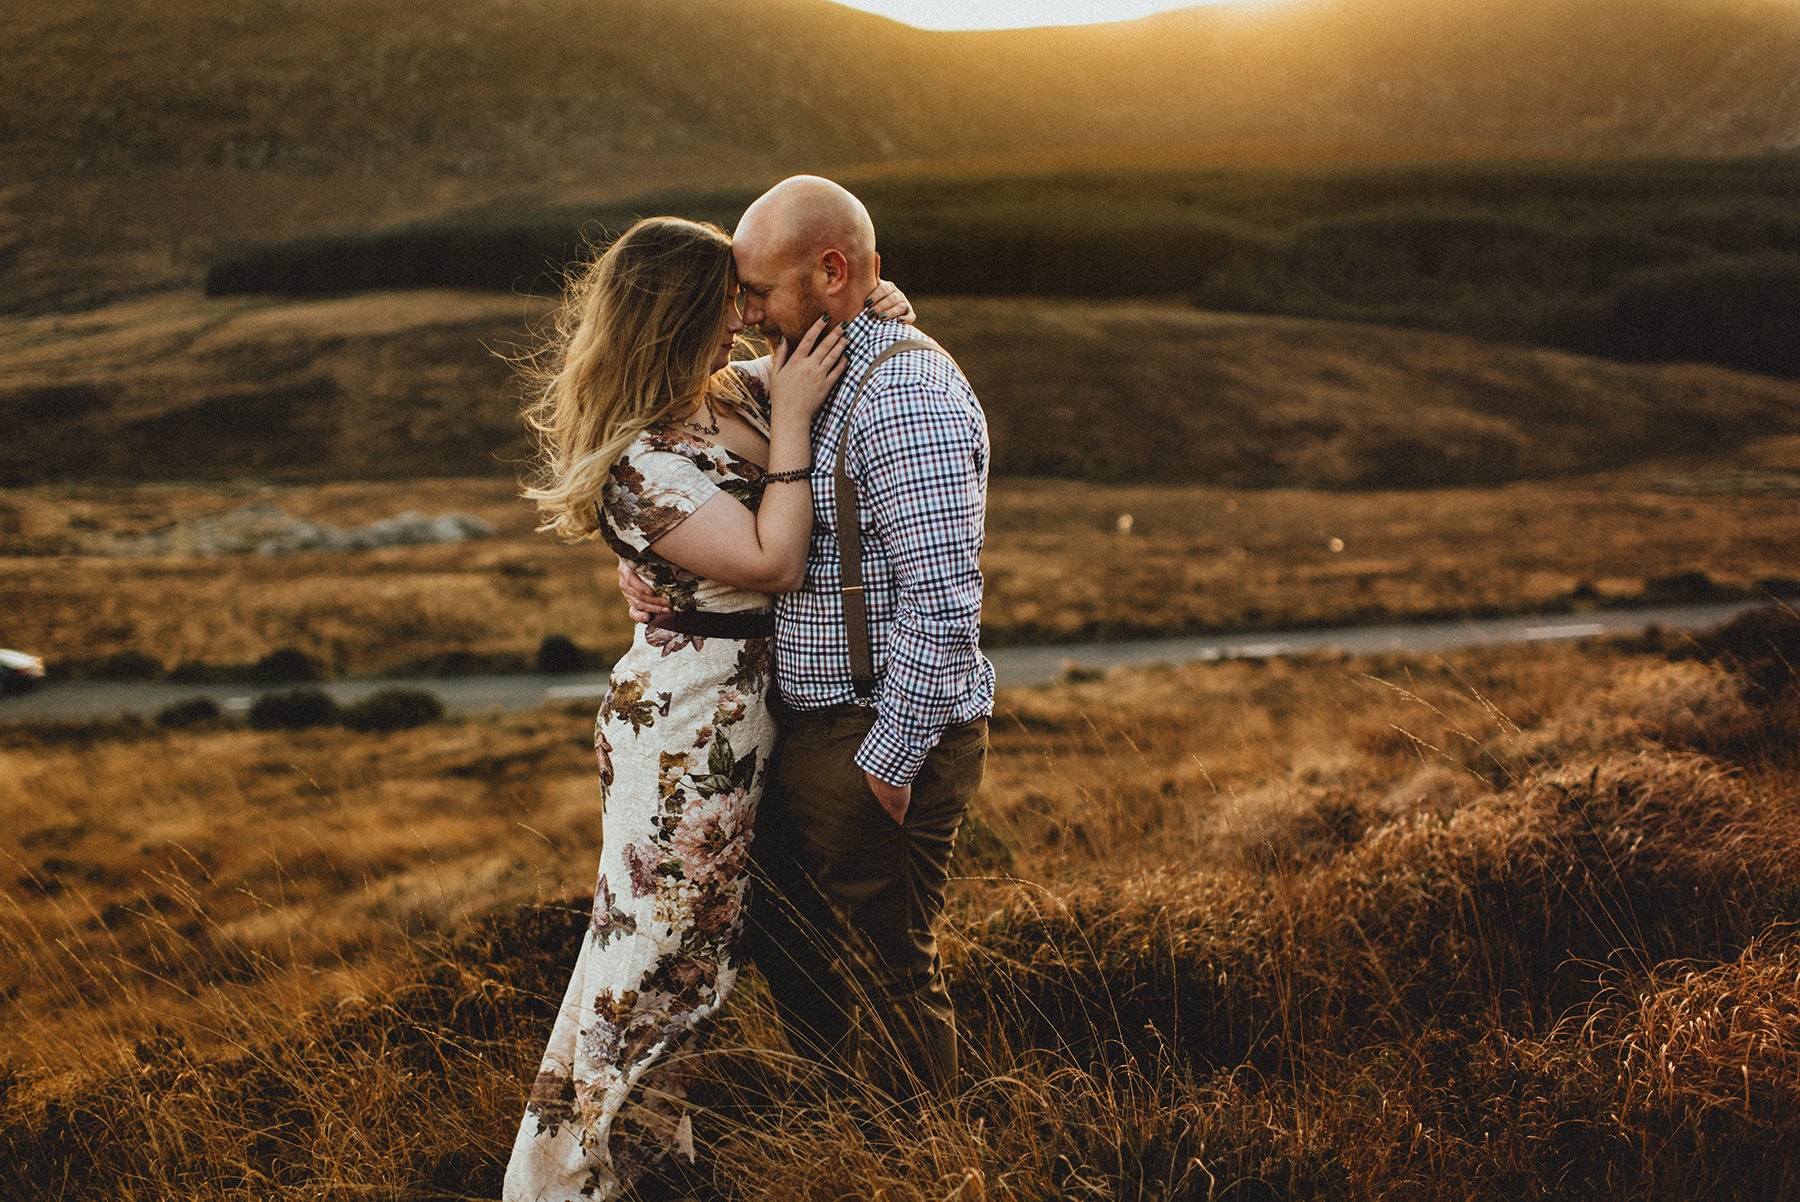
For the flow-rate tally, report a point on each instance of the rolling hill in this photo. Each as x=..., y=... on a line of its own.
x=138, y=135
x=390, y=385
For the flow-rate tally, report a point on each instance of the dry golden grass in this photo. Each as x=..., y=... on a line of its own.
x=1057, y=567
x=1213, y=558
x=315, y=846
x=301, y=851
x=1725, y=1037
x=1329, y=928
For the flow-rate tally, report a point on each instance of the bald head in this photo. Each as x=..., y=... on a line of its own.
x=807, y=243
x=804, y=216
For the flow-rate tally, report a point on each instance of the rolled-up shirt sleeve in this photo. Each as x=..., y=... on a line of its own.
x=920, y=457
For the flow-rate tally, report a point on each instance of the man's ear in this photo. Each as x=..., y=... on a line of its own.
x=836, y=270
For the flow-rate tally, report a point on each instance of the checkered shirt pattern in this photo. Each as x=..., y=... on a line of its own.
x=919, y=457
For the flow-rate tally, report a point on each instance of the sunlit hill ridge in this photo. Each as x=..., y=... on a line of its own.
x=160, y=130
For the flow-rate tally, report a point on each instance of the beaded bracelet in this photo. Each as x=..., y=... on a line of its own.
x=789, y=477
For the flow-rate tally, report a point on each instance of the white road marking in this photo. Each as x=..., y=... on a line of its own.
x=1537, y=634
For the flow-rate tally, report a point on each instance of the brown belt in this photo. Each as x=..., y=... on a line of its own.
x=708, y=624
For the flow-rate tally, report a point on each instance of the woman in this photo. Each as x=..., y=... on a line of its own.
x=695, y=471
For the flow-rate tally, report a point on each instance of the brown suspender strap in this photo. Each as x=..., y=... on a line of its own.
x=849, y=533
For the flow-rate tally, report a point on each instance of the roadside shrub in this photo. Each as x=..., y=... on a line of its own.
x=129, y=665
x=294, y=710
x=1762, y=645
x=394, y=709
x=193, y=711
x=558, y=653
x=1685, y=587
x=1776, y=586
x=284, y=665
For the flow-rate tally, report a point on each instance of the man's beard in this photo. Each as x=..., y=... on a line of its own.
x=807, y=312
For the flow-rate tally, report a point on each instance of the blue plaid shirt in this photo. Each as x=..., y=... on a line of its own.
x=919, y=456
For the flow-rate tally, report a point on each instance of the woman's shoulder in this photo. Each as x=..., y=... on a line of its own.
x=652, y=490
x=665, y=464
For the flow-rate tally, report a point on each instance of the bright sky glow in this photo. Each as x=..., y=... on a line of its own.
x=1013, y=14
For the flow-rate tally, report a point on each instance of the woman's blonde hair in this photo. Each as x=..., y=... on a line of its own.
x=634, y=345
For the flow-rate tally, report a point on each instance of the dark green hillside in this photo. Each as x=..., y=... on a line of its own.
x=1691, y=260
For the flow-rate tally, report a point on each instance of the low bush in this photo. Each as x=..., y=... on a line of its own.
x=294, y=710
x=193, y=711
x=1660, y=260
x=1409, y=254
x=284, y=665
x=1682, y=588
x=558, y=653
x=1762, y=645
x=394, y=709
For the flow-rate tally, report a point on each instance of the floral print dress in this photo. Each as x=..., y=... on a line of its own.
x=682, y=740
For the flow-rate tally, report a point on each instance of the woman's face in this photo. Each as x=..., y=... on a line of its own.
x=730, y=328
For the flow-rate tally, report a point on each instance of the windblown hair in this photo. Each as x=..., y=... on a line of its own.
x=634, y=345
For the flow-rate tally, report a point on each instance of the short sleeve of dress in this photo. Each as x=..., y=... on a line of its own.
x=650, y=492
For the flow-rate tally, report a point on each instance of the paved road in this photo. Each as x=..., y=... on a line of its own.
x=1013, y=665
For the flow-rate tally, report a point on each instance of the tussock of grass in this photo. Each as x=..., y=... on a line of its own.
x=1518, y=901
x=1721, y=1038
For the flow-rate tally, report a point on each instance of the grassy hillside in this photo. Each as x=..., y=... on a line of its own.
x=1660, y=259
x=1511, y=924
x=472, y=86
x=398, y=384
x=142, y=136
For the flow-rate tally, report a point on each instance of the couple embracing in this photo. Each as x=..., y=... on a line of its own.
x=801, y=535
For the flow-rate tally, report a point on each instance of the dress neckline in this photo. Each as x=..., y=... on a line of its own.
x=694, y=440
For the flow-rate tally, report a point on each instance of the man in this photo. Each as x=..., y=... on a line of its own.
x=858, y=821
